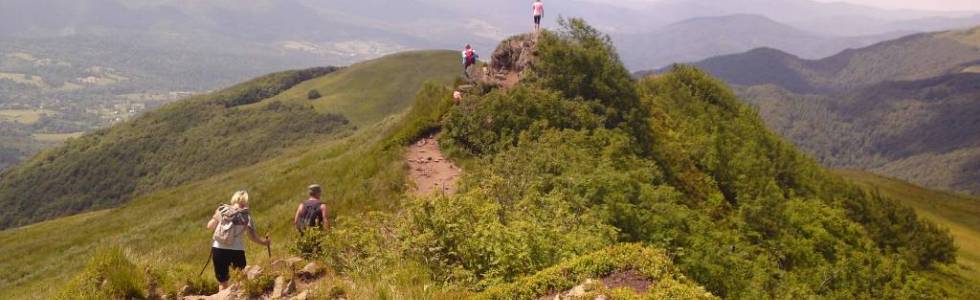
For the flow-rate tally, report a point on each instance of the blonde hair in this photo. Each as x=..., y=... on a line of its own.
x=240, y=198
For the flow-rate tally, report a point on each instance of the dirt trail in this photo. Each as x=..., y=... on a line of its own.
x=430, y=170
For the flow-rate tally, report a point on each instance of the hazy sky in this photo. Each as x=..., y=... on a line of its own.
x=953, y=5
x=941, y=5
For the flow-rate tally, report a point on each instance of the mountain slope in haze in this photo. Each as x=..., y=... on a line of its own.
x=905, y=108
x=207, y=135
x=700, y=38
x=914, y=57
x=923, y=131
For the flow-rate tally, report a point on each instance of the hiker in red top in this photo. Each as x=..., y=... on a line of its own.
x=469, y=59
x=537, y=9
x=312, y=212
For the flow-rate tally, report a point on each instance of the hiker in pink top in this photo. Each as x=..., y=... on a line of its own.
x=538, y=9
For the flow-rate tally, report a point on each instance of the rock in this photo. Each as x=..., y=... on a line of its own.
x=580, y=290
x=251, y=272
x=302, y=296
x=184, y=291
x=282, y=287
x=311, y=270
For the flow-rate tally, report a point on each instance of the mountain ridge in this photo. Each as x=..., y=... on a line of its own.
x=901, y=108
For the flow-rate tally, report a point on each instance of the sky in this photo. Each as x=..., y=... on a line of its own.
x=944, y=5
x=935, y=5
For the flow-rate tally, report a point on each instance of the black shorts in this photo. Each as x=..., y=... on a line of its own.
x=537, y=20
x=224, y=258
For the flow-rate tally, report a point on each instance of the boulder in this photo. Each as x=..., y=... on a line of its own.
x=184, y=291
x=304, y=295
x=282, y=287
x=251, y=272
x=311, y=270
x=288, y=264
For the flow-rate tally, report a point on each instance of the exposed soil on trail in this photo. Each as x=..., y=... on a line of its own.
x=628, y=279
x=429, y=169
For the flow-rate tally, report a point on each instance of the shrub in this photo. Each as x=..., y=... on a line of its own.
x=313, y=95
x=647, y=261
x=109, y=274
x=254, y=287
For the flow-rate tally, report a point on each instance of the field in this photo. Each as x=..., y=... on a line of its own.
x=959, y=213
x=23, y=116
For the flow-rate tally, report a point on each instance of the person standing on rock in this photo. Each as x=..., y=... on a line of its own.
x=469, y=59
x=230, y=222
x=537, y=9
x=312, y=212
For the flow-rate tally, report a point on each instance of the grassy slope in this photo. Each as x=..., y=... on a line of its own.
x=165, y=227
x=959, y=213
x=371, y=82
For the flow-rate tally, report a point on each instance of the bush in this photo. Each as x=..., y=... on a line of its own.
x=313, y=95
x=109, y=274
x=254, y=287
x=624, y=257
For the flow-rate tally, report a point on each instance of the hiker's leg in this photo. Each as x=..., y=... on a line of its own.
x=221, y=261
x=238, y=259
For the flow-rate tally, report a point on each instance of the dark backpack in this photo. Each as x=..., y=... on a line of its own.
x=310, y=216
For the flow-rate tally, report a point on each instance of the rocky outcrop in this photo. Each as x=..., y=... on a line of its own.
x=511, y=58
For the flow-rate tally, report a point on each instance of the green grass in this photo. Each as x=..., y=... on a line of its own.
x=369, y=91
x=959, y=213
x=165, y=229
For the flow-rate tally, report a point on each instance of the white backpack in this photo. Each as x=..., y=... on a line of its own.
x=231, y=223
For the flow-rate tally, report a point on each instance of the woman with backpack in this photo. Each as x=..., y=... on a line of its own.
x=230, y=223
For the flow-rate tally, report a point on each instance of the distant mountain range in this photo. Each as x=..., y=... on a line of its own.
x=906, y=108
x=700, y=38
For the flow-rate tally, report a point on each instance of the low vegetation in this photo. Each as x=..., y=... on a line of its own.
x=577, y=172
x=649, y=262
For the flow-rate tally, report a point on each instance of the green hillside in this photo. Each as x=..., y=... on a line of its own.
x=580, y=170
x=923, y=131
x=903, y=108
x=961, y=214
x=207, y=135
x=35, y=251
x=378, y=86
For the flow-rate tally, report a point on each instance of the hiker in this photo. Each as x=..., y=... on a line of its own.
x=230, y=222
x=469, y=59
x=312, y=212
x=538, y=10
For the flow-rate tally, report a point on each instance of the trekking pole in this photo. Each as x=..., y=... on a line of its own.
x=268, y=247
x=210, y=255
